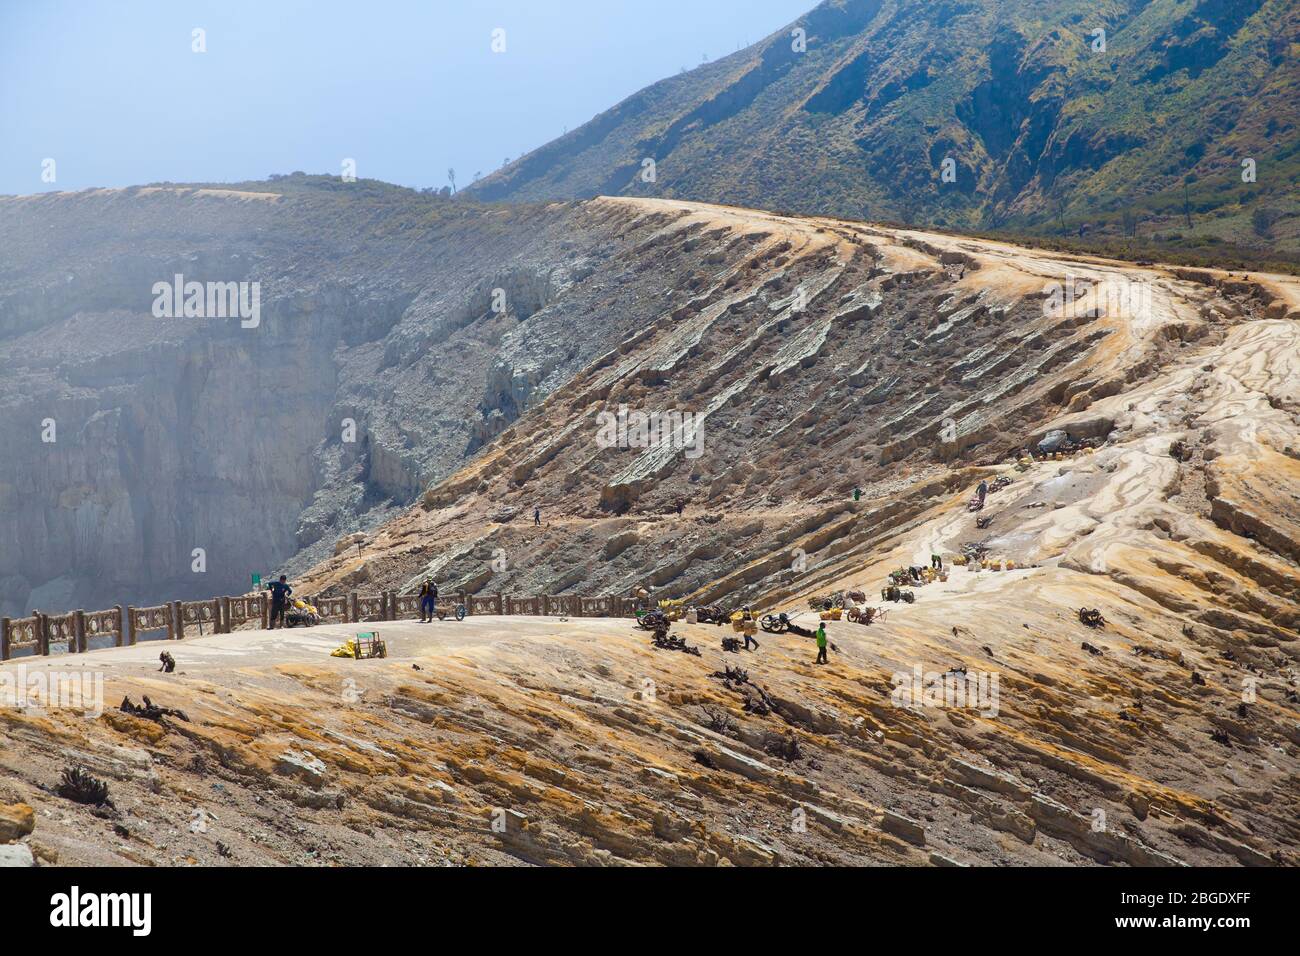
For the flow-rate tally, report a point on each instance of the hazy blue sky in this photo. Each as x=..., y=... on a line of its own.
x=113, y=93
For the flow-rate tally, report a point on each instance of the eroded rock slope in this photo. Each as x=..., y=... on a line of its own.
x=825, y=356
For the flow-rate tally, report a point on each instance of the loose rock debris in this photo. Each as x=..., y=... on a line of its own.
x=150, y=710
x=757, y=700
x=666, y=643
x=787, y=748
x=731, y=674
x=719, y=722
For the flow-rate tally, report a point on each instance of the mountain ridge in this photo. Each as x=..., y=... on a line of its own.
x=1046, y=134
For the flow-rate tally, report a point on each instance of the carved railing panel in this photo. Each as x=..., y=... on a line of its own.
x=524, y=605
x=23, y=631
x=370, y=608
x=246, y=608
x=154, y=618
x=205, y=615
x=104, y=624
x=61, y=629
x=332, y=609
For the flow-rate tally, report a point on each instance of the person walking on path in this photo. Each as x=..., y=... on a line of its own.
x=537, y=516
x=748, y=621
x=428, y=601
x=280, y=592
x=821, y=643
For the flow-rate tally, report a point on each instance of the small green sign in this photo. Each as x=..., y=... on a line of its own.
x=257, y=580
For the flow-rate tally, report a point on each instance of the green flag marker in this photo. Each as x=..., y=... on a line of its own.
x=257, y=580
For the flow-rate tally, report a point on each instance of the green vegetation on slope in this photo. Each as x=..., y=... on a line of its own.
x=1049, y=134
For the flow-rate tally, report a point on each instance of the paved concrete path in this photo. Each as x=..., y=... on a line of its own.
x=405, y=639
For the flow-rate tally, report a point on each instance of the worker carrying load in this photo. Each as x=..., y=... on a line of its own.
x=981, y=494
x=744, y=622
x=428, y=600
x=751, y=628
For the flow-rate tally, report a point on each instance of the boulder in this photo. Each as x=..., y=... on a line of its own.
x=304, y=765
x=1053, y=441
x=16, y=854
x=903, y=827
x=347, y=542
x=16, y=821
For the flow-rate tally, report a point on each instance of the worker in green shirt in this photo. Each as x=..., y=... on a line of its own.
x=821, y=643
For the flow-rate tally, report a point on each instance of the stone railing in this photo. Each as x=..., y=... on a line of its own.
x=222, y=615
x=524, y=605
x=334, y=608
x=372, y=608
x=72, y=629
x=103, y=624
x=241, y=610
x=408, y=605
x=199, y=613
x=160, y=617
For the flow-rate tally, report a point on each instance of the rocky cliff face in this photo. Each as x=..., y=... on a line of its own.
x=381, y=357
x=834, y=355
x=397, y=336
x=815, y=357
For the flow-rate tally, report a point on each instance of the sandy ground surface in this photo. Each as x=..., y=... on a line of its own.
x=535, y=740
